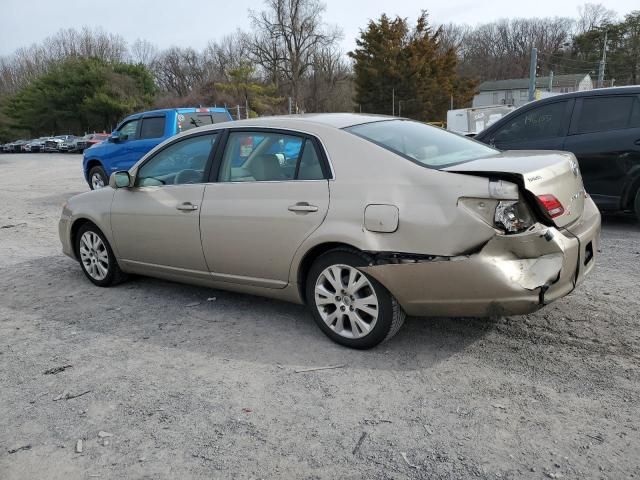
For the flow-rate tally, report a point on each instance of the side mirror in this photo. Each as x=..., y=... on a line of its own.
x=115, y=137
x=120, y=180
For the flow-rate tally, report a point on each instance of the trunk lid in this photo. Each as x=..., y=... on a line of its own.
x=540, y=173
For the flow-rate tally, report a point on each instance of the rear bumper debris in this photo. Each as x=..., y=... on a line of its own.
x=509, y=275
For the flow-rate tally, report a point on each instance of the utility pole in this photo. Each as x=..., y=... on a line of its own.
x=289, y=105
x=246, y=106
x=551, y=81
x=532, y=74
x=451, y=102
x=393, y=102
x=238, y=112
x=602, y=63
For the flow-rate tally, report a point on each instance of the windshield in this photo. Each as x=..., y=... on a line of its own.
x=428, y=146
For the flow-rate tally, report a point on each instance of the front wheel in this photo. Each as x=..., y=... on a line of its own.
x=636, y=205
x=98, y=178
x=350, y=307
x=96, y=257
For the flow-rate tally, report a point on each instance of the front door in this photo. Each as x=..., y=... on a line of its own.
x=156, y=222
x=121, y=154
x=540, y=128
x=271, y=193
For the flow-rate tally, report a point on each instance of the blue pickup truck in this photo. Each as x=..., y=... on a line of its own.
x=139, y=133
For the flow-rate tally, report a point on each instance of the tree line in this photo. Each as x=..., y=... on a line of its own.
x=82, y=80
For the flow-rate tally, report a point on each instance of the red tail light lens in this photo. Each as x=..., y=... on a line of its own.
x=551, y=204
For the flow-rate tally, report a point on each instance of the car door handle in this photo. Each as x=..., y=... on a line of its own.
x=637, y=142
x=187, y=207
x=303, y=207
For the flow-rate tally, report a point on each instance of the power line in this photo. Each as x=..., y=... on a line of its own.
x=574, y=60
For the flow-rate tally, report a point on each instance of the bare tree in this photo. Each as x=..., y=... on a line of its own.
x=144, y=52
x=502, y=49
x=328, y=86
x=288, y=34
x=220, y=57
x=179, y=70
x=593, y=15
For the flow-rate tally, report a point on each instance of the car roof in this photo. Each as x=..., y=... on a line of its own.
x=337, y=120
x=180, y=110
x=596, y=92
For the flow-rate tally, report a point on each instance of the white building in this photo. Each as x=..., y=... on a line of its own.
x=516, y=91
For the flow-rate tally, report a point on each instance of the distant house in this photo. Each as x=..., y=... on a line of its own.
x=516, y=91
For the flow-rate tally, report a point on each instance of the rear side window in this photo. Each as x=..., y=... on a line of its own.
x=599, y=114
x=152, y=127
x=219, y=117
x=266, y=156
x=187, y=121
x=545, y=121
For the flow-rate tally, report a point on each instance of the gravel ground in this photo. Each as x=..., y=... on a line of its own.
x=190, y=387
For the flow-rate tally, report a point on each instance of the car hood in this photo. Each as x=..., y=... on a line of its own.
x=540, y=173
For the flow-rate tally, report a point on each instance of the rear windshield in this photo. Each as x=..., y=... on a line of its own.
x=423, y=144
x=187, y=121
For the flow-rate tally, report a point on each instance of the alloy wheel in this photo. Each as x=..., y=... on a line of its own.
x=346, y=301
x=94, y=255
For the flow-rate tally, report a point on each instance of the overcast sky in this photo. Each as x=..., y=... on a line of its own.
x=194, y=23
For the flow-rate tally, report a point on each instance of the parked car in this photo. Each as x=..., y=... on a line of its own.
x=52, y=145
x=36, y=145
x=601, y=127
x=17, y=146
x=139, y=133
x=90, y=140
x=68, y=144
x=421, y=221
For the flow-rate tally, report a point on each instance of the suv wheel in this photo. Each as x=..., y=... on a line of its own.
x=350, y=307
x=97, y=178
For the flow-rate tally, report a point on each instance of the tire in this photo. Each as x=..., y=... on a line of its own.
x=636, y=205
x=96, y=257
x=340, y=313
x=98, y=178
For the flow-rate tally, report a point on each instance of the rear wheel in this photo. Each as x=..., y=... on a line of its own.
x=96, y=257
x=350, y=307
x=97, y=178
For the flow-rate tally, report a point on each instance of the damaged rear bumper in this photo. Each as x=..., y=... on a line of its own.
x=509, y=275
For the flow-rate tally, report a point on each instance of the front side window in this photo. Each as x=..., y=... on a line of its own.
x=423, y=144
x=266, y=156
x=545, y=121
x=180, y=163
x=152, y=127
x=605, y=113
x=129, y=130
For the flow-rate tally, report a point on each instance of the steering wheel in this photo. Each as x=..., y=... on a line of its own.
x=188, y=176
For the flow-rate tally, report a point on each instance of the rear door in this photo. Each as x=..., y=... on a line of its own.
x=541, y=127
x=269, y=194
x=605, y=137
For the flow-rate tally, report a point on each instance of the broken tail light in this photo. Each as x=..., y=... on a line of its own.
x=512, y=216
x=551, y=205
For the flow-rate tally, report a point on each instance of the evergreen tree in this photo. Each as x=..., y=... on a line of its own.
x=394, y=60
x=80, y=94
